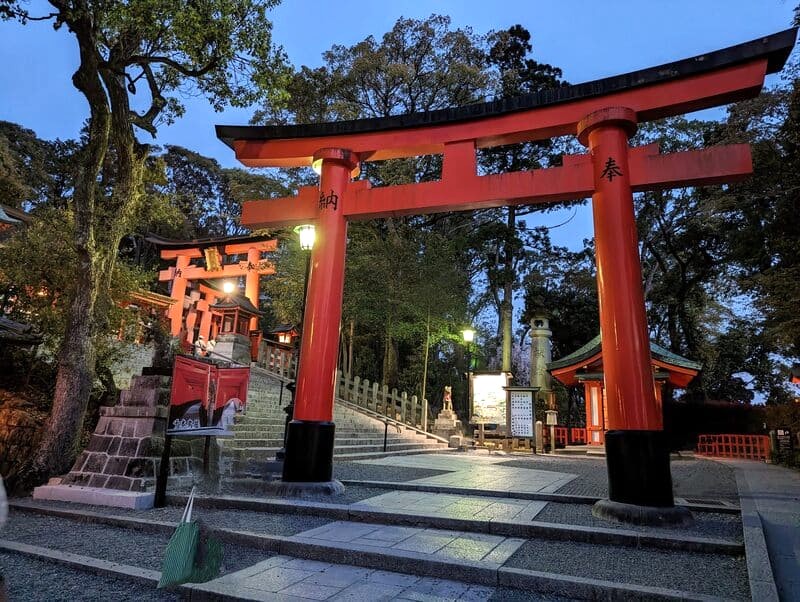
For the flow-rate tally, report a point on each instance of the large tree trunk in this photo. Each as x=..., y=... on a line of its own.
x=506, y=304
x=58, y=447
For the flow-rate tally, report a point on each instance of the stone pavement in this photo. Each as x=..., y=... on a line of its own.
x=420, y=503
x=774, y=494
x=285, y=579
x=482, y=472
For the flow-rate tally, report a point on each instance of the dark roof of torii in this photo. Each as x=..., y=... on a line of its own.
x=775, y=48
x=593, y=347
x=170, y=243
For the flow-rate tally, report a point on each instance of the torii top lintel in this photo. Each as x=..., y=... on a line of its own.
x=703, y=81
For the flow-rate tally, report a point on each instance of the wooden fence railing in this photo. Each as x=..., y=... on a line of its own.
x=412, y=411
x=749, y=447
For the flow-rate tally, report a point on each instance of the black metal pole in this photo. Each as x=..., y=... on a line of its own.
x=385, y=433
x=163, y=474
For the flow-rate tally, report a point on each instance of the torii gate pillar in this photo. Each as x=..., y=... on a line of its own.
x=309, y=438
x=636, y=449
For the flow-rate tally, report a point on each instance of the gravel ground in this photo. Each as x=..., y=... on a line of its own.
x=723, y=576
x=28, y=579
x=375, y=472
x=116, y=544
x=706, y=524
x=238, y=520
x=693, y=479
x=506, y=594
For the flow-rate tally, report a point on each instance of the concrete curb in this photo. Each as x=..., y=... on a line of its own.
x=591, y=589
x=532, y=530
x=759, y=567
x=403, y=562
x=563, y=498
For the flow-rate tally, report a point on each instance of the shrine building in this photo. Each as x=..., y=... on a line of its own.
x=585, y=366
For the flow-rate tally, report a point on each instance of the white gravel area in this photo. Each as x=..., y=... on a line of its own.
x=714, y=575
x=706, y=524
x=116, y=544
x=29, y=579
x=237, y=520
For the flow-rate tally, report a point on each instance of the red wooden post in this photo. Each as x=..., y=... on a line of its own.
x=309, y=443
x=178, y=292
x=636, y=450
x=251, y=282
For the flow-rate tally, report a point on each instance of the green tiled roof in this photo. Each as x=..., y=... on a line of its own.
x=594, y=346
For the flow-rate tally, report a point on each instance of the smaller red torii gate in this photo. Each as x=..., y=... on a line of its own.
x=212, y=250
x=603, y=114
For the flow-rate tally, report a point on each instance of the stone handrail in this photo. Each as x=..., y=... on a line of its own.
x=378, y=399
x=282, y=363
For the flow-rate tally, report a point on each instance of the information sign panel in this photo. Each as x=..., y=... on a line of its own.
x=489, y=398
x=521, y=413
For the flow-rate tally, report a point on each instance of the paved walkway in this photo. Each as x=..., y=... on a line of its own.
x=419, y=503
x=775, y=493
x=474, y=471
x=282, y=578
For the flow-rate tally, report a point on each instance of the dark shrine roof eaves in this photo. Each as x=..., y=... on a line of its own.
x=237, y=301
x=594, y=347
x=170, y=243
x=775, y=48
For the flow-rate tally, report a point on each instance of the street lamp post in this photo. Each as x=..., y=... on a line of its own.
x=468, y=334
x=307, y=235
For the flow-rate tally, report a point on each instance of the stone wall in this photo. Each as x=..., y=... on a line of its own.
x=136, y=358
x=124, y=452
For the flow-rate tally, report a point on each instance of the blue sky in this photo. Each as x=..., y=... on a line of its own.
x=586, y=38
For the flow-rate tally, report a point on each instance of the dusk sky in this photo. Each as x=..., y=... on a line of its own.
x=585, y=38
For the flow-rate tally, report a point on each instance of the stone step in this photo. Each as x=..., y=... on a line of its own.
x=268, y=453
x=338, y=443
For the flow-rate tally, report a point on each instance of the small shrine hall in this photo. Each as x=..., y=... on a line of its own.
x=195, y=279
x=585, y=366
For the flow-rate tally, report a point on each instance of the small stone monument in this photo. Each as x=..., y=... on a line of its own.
x=447, y=422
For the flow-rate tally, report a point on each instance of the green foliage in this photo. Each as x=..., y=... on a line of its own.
x=37, y=273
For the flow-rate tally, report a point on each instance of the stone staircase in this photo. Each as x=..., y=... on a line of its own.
x=259, y=433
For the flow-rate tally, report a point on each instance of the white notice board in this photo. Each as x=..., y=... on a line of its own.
x=521, y=413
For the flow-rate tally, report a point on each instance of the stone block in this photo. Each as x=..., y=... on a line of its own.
x=128, y=447
x=118, y=482
x=80, y=461
x=143, y=428
x=113, y=446
x=129, y=428
x=143, y=450
x=95, y=496
x=98, y=443
x=140, y=468
x=455, y=441
x=117, y=465
x=115, y=427
x=98, y=480
x=95, y=462
x=78, y=478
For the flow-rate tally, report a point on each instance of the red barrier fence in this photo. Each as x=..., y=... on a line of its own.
x=576, y=435
x=750, y=447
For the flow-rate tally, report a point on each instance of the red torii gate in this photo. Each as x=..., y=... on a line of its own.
x=213, y=250
x=603, y=114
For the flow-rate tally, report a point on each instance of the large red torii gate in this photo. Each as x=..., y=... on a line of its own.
x=603, y=114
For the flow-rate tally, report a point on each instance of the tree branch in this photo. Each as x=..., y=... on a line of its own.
x=163, y=60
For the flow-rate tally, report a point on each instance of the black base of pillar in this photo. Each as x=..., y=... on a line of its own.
x=638, y=468
x=309, y=452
